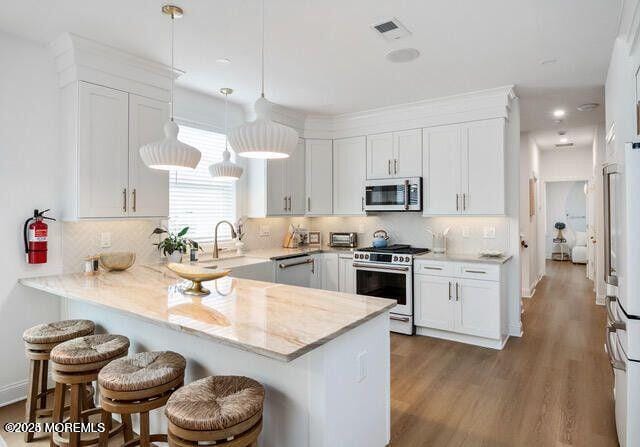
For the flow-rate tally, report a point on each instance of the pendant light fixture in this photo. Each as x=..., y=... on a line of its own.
x=170, y=153
x=263, y=138
x=226, y=169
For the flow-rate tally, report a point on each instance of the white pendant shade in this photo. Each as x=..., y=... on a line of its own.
x=263, y=138
x=170, y=153
x=226, y=169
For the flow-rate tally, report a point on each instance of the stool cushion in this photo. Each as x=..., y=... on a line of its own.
x=90, y=349
x=215, y=403
x=58, y=331
x=142, y=371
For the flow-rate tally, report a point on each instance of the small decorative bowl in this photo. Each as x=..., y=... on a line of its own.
x=196, y=275
x=117, y=260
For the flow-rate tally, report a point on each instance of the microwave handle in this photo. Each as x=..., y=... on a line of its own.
x=608, y=171
x=406, y=194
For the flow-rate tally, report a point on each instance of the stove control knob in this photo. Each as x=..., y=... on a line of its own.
x=395, y=258
x=366, y=256
x=359, y=256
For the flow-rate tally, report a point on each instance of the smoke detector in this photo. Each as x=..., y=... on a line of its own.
x=391, y=29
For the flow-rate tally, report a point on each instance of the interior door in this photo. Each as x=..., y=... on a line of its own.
x=478, y=307
x=296, y=180
x=349, y=172
x=103, y=151
x=483, y=168
x=380, y=156
x=408, y=153
x=441, y=160
x=432, y=302
x=276, y=183
x=148, y=188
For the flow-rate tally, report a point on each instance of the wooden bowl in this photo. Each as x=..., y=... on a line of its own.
x=196, y=275
x=117, y=260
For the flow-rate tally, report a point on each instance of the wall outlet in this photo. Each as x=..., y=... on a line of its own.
x=465, y=231
x=489, y=232
x=105, y=240
x=362, y=366
x=264, y=231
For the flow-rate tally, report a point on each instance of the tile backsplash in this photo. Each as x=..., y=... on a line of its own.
x=83, y=238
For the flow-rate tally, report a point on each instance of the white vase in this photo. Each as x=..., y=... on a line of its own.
x=175, y=257
x=239, y=248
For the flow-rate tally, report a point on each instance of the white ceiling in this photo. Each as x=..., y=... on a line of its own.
x=580, y=137
x=322, y=56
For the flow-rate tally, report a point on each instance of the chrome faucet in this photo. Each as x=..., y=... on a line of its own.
x=215, y=236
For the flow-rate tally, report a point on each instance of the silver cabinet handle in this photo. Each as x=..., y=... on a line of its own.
x=457, y=292
x=475, y=271
x=613, y=322
x=397, y=318
x=309, y=204
x=464, y=201
x=426, y=267
x=615, y=363
x=134, y=200
x=290, y=204
x=124, y=200
x=457, y=202
x=389, y=166
x=449, y=290
x=395, y=165
x=284, y=207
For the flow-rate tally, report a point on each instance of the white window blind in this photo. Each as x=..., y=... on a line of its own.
x=197, y=200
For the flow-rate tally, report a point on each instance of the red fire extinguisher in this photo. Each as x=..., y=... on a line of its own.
x=36, y=233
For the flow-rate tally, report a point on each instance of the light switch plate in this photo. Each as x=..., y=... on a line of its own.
x=264, y=231
x=465, y=231
x=489, y=232
x=105, y=240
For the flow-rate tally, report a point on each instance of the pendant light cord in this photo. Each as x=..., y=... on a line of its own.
x=262, y=52
x=226, y=115
x=172, y=70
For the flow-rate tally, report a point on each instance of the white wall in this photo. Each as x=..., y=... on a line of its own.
x=566, y=164
x=29, y=178
x=566, y=202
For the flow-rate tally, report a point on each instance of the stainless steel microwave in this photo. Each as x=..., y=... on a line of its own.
x=396, y=194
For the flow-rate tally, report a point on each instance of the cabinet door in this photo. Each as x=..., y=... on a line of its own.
x=478, y=310
x=103, y=151
x=330, y=272
x=318, y=172
x=433, y=303
x=148, y=188
x=349, y=165
x=277, y=204
x=483, y=168
x=346, y=276
x=408, y=153
x=380, y=156
x=296, y=180
x=441, y=159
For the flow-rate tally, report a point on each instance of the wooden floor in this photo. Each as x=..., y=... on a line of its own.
x=550, y=388
x=553, y=387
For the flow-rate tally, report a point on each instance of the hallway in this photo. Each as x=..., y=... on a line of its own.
x=551, y=387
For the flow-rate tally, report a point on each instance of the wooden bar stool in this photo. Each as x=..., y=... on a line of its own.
x=138, y=384
x=39, y=341
x=226, y=410
x=76, y=363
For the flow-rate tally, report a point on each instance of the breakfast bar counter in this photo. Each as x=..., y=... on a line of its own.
x=322, y=356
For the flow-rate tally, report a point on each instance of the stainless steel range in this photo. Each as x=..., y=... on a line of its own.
x=388, y=273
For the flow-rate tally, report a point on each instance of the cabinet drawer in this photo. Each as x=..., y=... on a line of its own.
x=479, y=271
x=437, y=268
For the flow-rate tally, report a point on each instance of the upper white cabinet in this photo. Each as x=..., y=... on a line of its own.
x=276, y=187
x=103, y=129
x=349, y=172
x=319, y=174
x=464, y=169
x=394, y=154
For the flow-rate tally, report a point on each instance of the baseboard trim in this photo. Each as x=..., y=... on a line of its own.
x=13, y=392
x=515, y=330
x=462, y=338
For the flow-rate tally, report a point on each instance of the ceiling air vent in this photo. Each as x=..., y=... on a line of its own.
x=391, y=29
x=564, y=145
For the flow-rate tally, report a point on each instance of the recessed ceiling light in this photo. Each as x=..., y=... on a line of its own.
x=548, y=61
x=402, y=55
x=223, y=61
x=562, y=132
x=559, y=113
x=564, y=140
x=588, y=107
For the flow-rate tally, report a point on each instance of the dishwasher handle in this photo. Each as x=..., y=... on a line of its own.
x=293, y=264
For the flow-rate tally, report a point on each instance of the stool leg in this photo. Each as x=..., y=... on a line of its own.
x=31, y=404
x=75, y=411
x=105, y=418
x=58, y=405
x=144, y=429
x=44, y=382
x=128, y=427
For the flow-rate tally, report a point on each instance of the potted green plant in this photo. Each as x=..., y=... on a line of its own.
x=175, y=244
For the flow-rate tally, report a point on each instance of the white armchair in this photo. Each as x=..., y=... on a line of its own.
x=579, y=251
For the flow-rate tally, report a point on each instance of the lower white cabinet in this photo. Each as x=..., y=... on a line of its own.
x=329, y=271
x=451, y=302
x=346, y=275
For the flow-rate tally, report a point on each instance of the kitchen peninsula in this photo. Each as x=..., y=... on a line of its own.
x=322, y=356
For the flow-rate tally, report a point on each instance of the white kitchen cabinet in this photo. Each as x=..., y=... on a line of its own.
x=346, y=275
x=319, y=177
x=329, y=270
x=394, y=154
x=277, y=187
x=450, y=302
x=148, y=188
x=102, y=131
x=464, y=169
x=349, y=173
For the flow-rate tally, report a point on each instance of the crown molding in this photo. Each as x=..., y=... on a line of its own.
x=80, y=59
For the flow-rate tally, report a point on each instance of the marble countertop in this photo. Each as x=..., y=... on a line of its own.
x=461, y=257
x=278, y=321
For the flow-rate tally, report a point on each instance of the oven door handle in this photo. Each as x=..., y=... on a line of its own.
x=615, y=363
x=406, y=194
x=397, y=318
x=374, y=267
